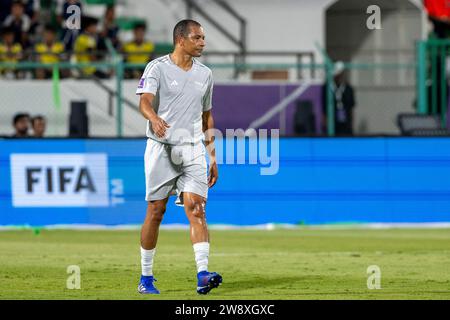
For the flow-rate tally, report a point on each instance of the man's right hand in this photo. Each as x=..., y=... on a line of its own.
x=159, y=126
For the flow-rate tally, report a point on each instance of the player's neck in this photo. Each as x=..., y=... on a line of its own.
x=182, y=60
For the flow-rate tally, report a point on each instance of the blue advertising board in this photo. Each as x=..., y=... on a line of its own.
x=298, y=181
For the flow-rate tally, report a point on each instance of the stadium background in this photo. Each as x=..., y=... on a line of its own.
x=270, y=61
x=266, y=72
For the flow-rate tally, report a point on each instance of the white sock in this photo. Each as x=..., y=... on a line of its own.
x=201, y=251
x=147, y=261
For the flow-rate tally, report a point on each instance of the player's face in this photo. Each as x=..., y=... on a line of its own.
x=194, y=43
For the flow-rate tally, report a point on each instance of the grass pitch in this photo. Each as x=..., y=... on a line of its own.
x=279, y=264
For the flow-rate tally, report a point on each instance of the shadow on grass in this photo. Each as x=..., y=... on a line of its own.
x=233, y=285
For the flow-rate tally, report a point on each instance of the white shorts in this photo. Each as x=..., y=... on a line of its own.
x=175, y=169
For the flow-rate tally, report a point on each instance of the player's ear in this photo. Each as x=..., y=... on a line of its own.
x=181, y=41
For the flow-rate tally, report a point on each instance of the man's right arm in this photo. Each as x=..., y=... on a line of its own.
x=159, y=126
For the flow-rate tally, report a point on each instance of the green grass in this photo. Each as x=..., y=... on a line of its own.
x=279, y=264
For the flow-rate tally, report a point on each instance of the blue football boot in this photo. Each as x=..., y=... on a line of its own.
x=146, y=285
x=207, y=281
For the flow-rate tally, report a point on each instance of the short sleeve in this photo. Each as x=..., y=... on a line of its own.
x=8, y=21
x=207, y=98
x=149, y=82
x=26, y=23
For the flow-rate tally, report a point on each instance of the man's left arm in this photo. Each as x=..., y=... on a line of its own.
x=208, y=129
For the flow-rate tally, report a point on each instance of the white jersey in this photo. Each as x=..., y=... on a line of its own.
x=180, y=98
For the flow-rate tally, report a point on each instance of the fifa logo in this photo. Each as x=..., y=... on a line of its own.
x=81, y=176
x=64, y=180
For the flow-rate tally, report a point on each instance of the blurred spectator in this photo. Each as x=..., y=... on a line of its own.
x=68, y=35
x=10, y=52
x=21, y=123
x=138, y=51
x=109, y=29
x=49, y=51
x=39, y=125
x=439, y=15
x=5, y=9
x=86, y=44
x=86, y=47
x=343, y=101
x=32, y=9
x=19, y=22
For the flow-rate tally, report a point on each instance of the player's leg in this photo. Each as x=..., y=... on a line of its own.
x=149, y=238
x=159, y=181
x=193, y=185
x=194, y=206
x=153, y=219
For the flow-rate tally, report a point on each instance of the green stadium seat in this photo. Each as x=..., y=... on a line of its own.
x=106, y=2
x=128, y=23
x=162, y=48
x=46, y=4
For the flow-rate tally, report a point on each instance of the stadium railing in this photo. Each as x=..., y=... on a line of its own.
x=303, y=71
x=432, y=87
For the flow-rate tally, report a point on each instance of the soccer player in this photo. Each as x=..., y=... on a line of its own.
x=175, y=97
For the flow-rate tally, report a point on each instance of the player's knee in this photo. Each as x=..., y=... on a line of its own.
x=197, y=209
x=157, y=211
